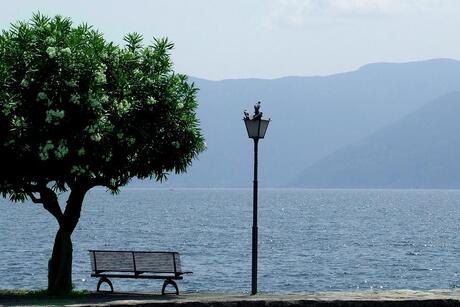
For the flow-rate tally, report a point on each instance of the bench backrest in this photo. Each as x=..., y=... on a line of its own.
x=135, y=261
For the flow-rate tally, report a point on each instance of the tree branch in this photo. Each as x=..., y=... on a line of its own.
x=73, y=208
x=34, y=199
x=51, y=204
x=101, y=182
x=35, y=188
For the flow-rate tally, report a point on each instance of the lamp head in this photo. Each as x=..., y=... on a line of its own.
x=256, y=126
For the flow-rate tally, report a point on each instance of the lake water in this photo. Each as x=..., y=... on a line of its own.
x=310, y=240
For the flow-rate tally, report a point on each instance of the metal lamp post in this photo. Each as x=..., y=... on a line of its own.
x=256, y=127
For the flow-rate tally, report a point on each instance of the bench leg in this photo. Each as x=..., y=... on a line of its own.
x=169, y=282
x=107, y=281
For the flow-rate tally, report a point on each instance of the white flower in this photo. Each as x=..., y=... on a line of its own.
x=44, y=150
x=54, y=116
x=180, y=105
x=42, y=96
x=122, y=107
x=24, y=83
x=96, y=137
x=51, y=52
x=79, y=170
x=94, y=103
x=66, y=51
x=151, y=101
x=61, y=151
x=130, y=141
x=99, y=76
x=18, y=122
x=50, y=40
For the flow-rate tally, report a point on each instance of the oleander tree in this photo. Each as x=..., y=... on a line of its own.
x=77, y=111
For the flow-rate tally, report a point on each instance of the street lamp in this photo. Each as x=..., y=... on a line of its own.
x=256, y=127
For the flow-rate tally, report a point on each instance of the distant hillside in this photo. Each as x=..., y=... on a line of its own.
x=422, y=150
x=312, y=117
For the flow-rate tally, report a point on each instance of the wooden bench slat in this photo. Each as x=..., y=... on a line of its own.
x=159, y=263
x=114, y=261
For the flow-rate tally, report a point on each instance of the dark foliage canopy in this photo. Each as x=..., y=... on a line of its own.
x=76, y=109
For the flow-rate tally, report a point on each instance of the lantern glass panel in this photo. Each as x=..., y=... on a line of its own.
x=256, y=128
x=263, y=127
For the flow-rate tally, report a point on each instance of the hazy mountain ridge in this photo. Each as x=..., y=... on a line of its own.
x=421, y=150
x=311, y=118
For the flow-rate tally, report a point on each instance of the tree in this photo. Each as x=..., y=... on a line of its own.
x=77, y=112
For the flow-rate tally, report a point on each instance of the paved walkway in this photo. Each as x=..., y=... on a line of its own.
x=363, y=298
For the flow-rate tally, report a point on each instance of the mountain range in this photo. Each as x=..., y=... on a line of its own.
x=421, y=150
x=320, y=122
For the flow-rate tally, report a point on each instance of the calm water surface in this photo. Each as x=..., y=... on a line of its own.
x=310, y=240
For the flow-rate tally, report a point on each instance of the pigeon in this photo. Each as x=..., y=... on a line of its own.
x=246, y=114
x=256, y=108
x=257, y=113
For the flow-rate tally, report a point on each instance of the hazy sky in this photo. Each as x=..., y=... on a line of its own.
x=218, y=39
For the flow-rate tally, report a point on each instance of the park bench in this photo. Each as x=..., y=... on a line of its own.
x=136, y=264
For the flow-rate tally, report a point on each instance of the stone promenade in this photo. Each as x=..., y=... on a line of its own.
x=399, y=298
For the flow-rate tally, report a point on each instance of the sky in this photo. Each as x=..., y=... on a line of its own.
x=221, y=39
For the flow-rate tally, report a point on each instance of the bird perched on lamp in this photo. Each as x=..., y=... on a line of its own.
x=257, y=113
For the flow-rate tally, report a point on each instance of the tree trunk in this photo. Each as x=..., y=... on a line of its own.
x=60, y=264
